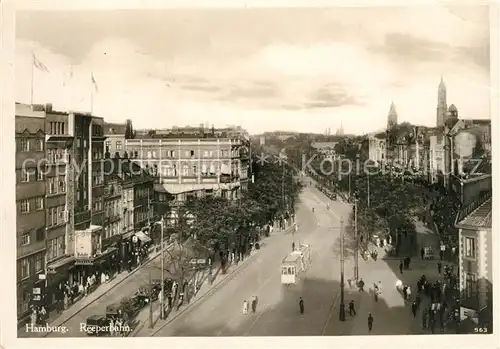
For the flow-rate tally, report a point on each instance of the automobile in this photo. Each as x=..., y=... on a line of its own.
x=97, y=325
x=113, y=310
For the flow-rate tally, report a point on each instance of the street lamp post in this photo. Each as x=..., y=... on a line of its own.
x=342, y=305
x=150, y=301
x=162, y=311
x=356, y=251
x=368, y=199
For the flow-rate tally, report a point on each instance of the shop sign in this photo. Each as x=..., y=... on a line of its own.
x=83, y=262
x=83, y=244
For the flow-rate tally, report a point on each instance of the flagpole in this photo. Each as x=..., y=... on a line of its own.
x=32, y=77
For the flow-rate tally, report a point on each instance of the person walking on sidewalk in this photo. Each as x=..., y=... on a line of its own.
x=370, y=322
x=293, y=246
x=245, y=307
x=440, y=266
x=301, y=305
x=422, y=253
x=254, y=304
x=401, y=266
x=352, y=311
x=414, y=308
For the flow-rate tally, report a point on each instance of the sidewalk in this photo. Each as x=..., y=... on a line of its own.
x=84, y=302
x=142, y=330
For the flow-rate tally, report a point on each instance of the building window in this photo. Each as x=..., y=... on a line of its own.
x=39, y=145
x=62, y=184
x=25, y=177
x=39, y=175
x=40, y=234
x=60, y=215
x=25, y=239
x=38, y=262
x=108, y=146
x=52, y=186
x=25, y=268
x=25, y=206
x=24, y=144
x=118, y=145
x=192, y=153
x=470, y=285
x=39, y=203
x=470, y=247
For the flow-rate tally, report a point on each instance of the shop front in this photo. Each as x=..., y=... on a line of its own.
x=59, y=272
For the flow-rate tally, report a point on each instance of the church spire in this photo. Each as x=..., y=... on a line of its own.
x=392, y=118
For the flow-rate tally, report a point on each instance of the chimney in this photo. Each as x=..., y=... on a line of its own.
x=48, y=107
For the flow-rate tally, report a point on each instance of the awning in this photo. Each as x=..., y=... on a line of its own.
x=93, y=260
x=143, y=237
x=52, y=267
x=184, y=188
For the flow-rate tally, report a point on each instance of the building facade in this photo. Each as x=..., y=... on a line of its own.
x=215, y=163
x=476, y=263
x=377, y=150
x=30, y=207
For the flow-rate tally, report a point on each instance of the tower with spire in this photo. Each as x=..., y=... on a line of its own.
x=392, y=118
x=441, y=104
x=340, y=130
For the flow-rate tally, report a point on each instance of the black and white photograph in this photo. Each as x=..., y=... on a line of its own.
x=253, y=172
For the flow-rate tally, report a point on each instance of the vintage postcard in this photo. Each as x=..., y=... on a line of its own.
x=315, y=172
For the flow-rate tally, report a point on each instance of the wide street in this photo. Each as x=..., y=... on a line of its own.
x=220, y=314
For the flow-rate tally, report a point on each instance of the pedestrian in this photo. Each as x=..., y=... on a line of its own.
x=414, y=307
x=370, y=322
x=169, y=300
x=181, y=300
x=424, y=320
x=440, y=266
x=301, y=305
x=361, y=285
x=245, y=307
x=408, y=293
x=254, y=304
x=293, y=246
x=401, y=266
x=349, y=282
x=405, y=288
x=422, y=252
x=352, y=311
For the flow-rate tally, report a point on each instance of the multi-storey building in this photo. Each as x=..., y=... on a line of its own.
x=127, y=212
x=327, y=149
x=30, y=206
x=476, y=263
x=115, y=139
x=59, y=137
x=113, y=210
x=209, y=162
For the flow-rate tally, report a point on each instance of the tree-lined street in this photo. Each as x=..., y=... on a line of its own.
x=277, y=312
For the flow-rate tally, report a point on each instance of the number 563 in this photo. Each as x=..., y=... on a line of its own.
x=480, y=330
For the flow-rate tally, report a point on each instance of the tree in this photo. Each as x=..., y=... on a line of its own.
x=178, y=260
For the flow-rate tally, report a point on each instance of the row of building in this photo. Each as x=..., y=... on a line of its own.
x=87, y=195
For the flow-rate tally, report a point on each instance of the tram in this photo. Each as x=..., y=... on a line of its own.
x=295, y=264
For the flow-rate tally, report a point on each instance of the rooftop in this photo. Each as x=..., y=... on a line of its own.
x=114, y=128
x=481, y=217
x=323, y=145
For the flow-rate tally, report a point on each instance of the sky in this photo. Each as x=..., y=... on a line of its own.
x=302, y=69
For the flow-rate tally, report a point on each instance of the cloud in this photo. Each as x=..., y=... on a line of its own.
x=404, y=47
x=257, y=68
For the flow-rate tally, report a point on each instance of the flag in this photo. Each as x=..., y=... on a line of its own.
x=93, y=82
x=39, y=65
